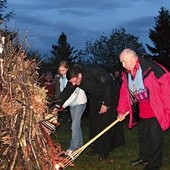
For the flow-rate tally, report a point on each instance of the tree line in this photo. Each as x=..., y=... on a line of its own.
x=106, y=49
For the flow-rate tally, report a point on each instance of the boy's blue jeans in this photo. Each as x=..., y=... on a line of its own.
x=76, y=114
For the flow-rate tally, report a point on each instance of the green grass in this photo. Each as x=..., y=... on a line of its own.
x=120, y=156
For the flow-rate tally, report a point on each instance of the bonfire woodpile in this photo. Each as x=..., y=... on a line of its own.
x=25, y=141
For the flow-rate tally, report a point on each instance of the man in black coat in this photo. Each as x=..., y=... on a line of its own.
x=99, y=85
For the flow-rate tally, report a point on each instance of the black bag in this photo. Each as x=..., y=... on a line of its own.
x=135, y=108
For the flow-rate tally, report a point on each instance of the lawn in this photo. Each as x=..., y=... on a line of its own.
x=120, y=156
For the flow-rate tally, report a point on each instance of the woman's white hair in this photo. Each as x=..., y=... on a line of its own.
x=128, y=52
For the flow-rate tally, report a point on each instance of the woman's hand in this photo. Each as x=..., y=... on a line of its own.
x=121, y=117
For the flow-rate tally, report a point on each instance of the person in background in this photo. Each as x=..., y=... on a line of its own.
x=59, y=83
x=48, y=84
x=117, y=74
x=117, y=81
x=95, y=81
x=149, y=83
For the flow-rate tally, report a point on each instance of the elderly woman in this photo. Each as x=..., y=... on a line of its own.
x=149, y=83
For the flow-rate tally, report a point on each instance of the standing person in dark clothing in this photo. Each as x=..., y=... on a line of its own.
x=117, y=81
x=94, y=80
x=59, y=83
x=149, y=83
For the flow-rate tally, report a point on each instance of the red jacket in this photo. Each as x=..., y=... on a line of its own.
x=157, y=80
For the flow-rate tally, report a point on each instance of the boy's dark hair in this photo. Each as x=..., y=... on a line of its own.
x=73, y=71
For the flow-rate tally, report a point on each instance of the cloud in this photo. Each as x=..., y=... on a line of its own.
x=138, y=24
x=81, y=20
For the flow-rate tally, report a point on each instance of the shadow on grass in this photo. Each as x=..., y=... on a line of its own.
x=120, y=157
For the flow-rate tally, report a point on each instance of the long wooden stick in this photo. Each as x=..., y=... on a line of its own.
x=76, y=153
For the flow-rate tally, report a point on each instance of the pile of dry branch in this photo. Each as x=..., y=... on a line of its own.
x=25, y=143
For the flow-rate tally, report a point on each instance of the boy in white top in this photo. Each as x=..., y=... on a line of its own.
x=77, y=102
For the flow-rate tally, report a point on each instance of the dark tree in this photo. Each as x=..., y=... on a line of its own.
x=106, y=50
x=160, y=35
x=63, y=51
x=4, y=17
x=5, y=34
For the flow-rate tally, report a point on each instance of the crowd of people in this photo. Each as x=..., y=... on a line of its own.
x=109, y=98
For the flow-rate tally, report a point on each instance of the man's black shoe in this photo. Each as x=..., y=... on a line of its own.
x=150, y=168
x=102, y=157
x=138, y=162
